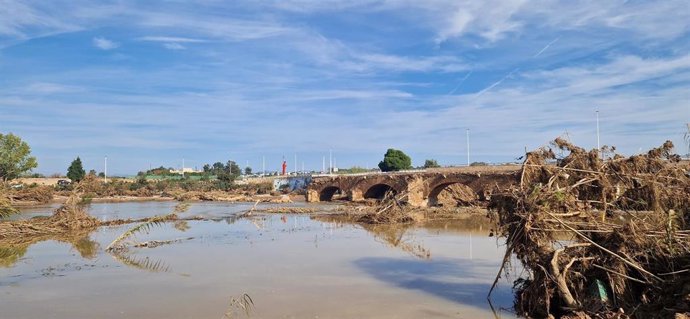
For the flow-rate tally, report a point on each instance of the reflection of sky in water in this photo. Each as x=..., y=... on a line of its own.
x=291, y=265
x=110, y=211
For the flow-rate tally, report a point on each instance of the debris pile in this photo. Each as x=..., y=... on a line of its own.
x=457, y=195
x=6, y=208
x=70, y=217
x=599, y=238
x=39, y=194
x=390, y=210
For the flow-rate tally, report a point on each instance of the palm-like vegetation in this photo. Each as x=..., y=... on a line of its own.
x=145, y=227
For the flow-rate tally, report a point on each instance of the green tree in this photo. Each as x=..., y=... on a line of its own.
x=15, y=157
x=395, y=160
x=76, y=172
x=431, y=163
x=229, y=172
x=233, y=168
x=247, y=170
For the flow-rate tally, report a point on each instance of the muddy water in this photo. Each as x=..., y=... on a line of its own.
x=292, y=266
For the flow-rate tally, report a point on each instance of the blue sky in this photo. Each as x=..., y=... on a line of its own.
x=149, y=83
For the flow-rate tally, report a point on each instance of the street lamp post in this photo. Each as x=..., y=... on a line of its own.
x=468, y=147
x=601, y=154
x=105, y=170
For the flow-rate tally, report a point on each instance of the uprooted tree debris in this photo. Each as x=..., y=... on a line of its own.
x=599, y=238
x=70, y=217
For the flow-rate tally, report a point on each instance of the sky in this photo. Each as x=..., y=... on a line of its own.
x=150, y=83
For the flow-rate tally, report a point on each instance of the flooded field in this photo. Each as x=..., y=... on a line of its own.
x=292, y=266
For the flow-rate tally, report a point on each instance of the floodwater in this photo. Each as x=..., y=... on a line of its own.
x=292, y=266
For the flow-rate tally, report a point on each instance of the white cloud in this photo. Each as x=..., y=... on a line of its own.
x=619, y=71
x=171, y=39
x=50, y=88
x=22, y=20
x=208, y=25
x=334, y=53
x=174, y=46
x=493, y=20
x=488, y=19
x=404, y=63
x=104, y=44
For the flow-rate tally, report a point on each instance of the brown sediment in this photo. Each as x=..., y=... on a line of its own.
x=222, y=196
x=287, y=210
x=599, y=238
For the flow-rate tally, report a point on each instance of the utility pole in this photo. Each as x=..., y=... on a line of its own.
x=263, y=165
x=105, y=170
x=468, y=147
x=601, y=154
x=330, y=161
x=302, y=167
x=323, y=165
x=687, y=139
x=295, y=163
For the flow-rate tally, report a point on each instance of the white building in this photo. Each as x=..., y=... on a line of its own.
x=185, y=170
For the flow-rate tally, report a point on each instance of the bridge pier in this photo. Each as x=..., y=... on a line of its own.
x=415, y=192
x=356, y=195
x=313, y=195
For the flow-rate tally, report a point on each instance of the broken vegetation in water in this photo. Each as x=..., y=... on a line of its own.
x=119, y=248
x=69, y=217
x=240, y=305
x=120, y=244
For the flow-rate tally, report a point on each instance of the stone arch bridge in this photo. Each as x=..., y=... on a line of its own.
x=422, y=187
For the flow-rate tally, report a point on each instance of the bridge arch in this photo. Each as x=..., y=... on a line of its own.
x=375, y=187
x=379, y=191
x=459, y=193
x=327, y=193
x=462, y=193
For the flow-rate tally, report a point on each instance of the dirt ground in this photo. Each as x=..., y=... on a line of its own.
x=39, y=181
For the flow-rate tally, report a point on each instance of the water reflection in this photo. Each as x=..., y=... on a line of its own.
x=13, y=249
x=140, y=262
x=280, y=260
x=457, y=280
x=9, y=255
x=397, y=236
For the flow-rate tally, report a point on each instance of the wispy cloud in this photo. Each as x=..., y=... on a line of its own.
x=171, y=39
x=174, y=46
x=22, y=20
x=252, y=79
x=104, y=44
